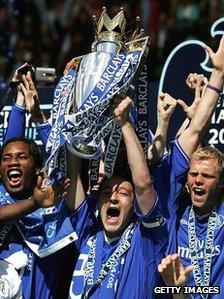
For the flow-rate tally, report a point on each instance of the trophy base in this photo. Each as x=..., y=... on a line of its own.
x=81, y=149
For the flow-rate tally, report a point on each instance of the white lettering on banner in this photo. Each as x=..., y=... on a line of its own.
x=103, y=133
x=62, y=85
x=88, y=116
x=131, y=59
x=112, y=149
x=218, y=116
x=142, y=108
x=217, y=136
x=94, y=172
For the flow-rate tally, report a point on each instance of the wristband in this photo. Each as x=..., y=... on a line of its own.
x=214, y=88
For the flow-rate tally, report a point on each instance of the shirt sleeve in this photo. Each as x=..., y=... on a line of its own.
x=43, y=131
x=16, y=123
x=84, y=220
x=154, y=218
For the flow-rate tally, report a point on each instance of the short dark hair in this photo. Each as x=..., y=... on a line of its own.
x=34, y=149
x=120, y=172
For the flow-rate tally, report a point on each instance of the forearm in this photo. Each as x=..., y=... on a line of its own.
x=191, y=137
x=16, y=123
x=208, y=103
x=75, y=194
x=157, y=148
x=183, y=127
x=144, y=190
x=18, y=210
x=38, y=116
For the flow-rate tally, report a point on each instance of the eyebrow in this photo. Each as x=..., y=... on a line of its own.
x=14, y=153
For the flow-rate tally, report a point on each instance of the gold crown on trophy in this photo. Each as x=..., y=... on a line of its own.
x=107, y=29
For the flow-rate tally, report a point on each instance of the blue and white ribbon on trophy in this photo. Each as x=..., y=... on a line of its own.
x=55, y=166
x=89, y=124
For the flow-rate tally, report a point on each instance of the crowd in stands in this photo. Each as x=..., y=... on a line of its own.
x=49, y=33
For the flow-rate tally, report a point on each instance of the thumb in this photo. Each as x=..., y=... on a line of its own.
x=209, y=50
x=183, y=105
x=188, y=269
x=40, y=179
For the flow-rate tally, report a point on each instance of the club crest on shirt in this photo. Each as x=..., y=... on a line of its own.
x=219, y=221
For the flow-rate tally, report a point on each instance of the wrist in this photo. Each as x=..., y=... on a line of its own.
x=214, y=88
x=217, y=76
x=164, y=123
x=38, y=117
x=33, y=199
x=20, y=99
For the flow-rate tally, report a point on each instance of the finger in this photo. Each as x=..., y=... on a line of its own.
x=209, y=50
x=183, y=105
x=162, y=95
x=22, y=87
x=198, y=90
x=25, y=82
x=176, y=265
x=160, y=269
x=40, y=180
x=221, y=44
x=72, y=64
x=188, y=269
x=30, y=81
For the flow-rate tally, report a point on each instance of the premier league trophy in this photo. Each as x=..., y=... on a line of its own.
x=81, y=100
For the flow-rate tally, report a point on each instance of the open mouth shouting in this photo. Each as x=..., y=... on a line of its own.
x=14, y=177
x=198, y=194
x=112, y=214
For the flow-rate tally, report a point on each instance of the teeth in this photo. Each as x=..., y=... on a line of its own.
x=14, y=172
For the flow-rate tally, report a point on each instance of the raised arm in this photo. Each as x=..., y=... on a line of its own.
x=16, y=122
x=76, y=194
x=191, y=137
x=31, y=99
x=165, y=107
x=198, y=83
x=144, y=190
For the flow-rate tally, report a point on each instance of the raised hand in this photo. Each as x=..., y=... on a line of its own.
x=217, y=58
x=122, y=105
x=193, y=79
x=31, y=99
x=165, y=106
x=197, y=83
x=173, y=271
x=72, y=64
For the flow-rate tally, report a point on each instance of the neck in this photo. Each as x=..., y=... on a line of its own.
x=204, y=211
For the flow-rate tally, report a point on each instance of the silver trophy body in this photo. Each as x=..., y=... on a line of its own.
x=90, y=70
